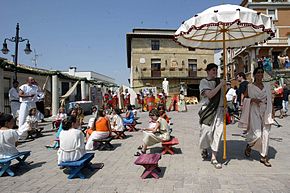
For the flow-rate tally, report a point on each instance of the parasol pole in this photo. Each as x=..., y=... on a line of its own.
x=225, y=90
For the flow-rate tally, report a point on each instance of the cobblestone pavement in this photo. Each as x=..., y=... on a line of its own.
x=182, y=172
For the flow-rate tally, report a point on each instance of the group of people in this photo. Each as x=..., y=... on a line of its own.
x=254, y=98
x=27, y=106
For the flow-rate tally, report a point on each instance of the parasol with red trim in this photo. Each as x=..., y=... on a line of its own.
x=222, y=27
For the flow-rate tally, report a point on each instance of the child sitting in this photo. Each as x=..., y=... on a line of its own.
x=59, y=118
x=154, y=135
x=32, y=124
x=8, y=136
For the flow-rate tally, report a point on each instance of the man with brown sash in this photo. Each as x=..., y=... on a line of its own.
x=211, y=114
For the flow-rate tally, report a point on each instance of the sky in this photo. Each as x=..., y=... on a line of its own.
x=89, y=34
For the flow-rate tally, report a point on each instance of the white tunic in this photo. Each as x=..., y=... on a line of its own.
x=72, y=145
x=8, y=138
x=14, y=101
x=27, y=102
x=118, y=124
x=210, y=136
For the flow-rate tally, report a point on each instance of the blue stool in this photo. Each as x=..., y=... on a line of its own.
x=75, y=167
x=6, y=162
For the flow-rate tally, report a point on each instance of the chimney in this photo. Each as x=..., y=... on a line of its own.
x=72, y=70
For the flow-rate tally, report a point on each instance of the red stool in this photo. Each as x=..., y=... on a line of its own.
x=167, y=145
x=150, y=163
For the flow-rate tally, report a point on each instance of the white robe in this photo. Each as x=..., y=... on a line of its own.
x=14, y=101
x=260, y=118
x=8, y=138
x=210, y=136
x=28, y=102
x=72, y=145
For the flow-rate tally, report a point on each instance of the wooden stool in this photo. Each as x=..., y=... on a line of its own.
x=6, y=162
x=119, y=135
x=75, y=167
x=150, y=163
x=130, y=127
x=167, y=145
x=105, y=143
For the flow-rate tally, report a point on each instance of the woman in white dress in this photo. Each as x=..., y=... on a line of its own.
x=260, y=116
x=156, y=134
x=8, y=136
x=72, y=141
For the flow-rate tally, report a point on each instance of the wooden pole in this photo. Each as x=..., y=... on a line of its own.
x=225, y=90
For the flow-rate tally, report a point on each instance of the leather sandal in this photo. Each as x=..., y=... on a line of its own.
x=216, y=164
x=204, y=154
x=138, y=153
x=248, y=151
x=265, y=161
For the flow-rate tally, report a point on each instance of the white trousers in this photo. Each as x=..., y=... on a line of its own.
x=15, y=106
x=210, y=136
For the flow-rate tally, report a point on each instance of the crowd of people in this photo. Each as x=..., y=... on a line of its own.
x=251, y=102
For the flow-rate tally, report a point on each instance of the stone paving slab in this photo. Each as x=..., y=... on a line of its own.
x=183, y=172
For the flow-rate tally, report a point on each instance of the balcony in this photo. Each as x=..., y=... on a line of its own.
x=283, y=41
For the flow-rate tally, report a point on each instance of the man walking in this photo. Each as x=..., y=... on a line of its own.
x=241, y=77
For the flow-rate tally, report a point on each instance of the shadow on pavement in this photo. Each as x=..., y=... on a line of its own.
x=236, y=149
x=159, y=150
x=22, y=169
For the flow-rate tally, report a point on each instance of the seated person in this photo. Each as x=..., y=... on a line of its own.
x=31, y=125
x=129, y=117
x=101, y=129
x=59, y=118
x=117, y=121
x=8, y=136
x=94, y=111
x=154, y=135
x=72, y=141
x=72, y=112
x=80, y=115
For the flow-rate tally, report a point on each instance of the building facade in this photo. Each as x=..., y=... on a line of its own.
x=152, y=55
x=246, y=59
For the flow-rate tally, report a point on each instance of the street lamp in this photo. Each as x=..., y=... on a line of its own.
x=16, y=39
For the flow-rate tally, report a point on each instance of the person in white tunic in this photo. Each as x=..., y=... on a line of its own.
x=14, y=98
x=8, y=136
x=211, y=114
x=154, y=135
x=27, y=94
x=72, y=141
x=260, y=116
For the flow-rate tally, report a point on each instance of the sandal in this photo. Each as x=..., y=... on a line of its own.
x=216, y=164
x=204, y=154
x=138, y=153
x=265, y=161
x=140, y=147
x=248, y=151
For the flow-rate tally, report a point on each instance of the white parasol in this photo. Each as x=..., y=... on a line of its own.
x=225, y=26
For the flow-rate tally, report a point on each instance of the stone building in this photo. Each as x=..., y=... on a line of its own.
x=152, y=55
x=246, y=59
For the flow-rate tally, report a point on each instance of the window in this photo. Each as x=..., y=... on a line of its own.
x=155, y=67
x=272, y=13
x=155, y=44
x=192, y=67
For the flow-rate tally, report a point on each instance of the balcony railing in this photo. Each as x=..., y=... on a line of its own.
x=283, y=41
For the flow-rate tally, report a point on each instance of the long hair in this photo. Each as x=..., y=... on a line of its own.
x=67, y=123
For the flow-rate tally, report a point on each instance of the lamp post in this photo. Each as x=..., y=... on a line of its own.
x=16, y=40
